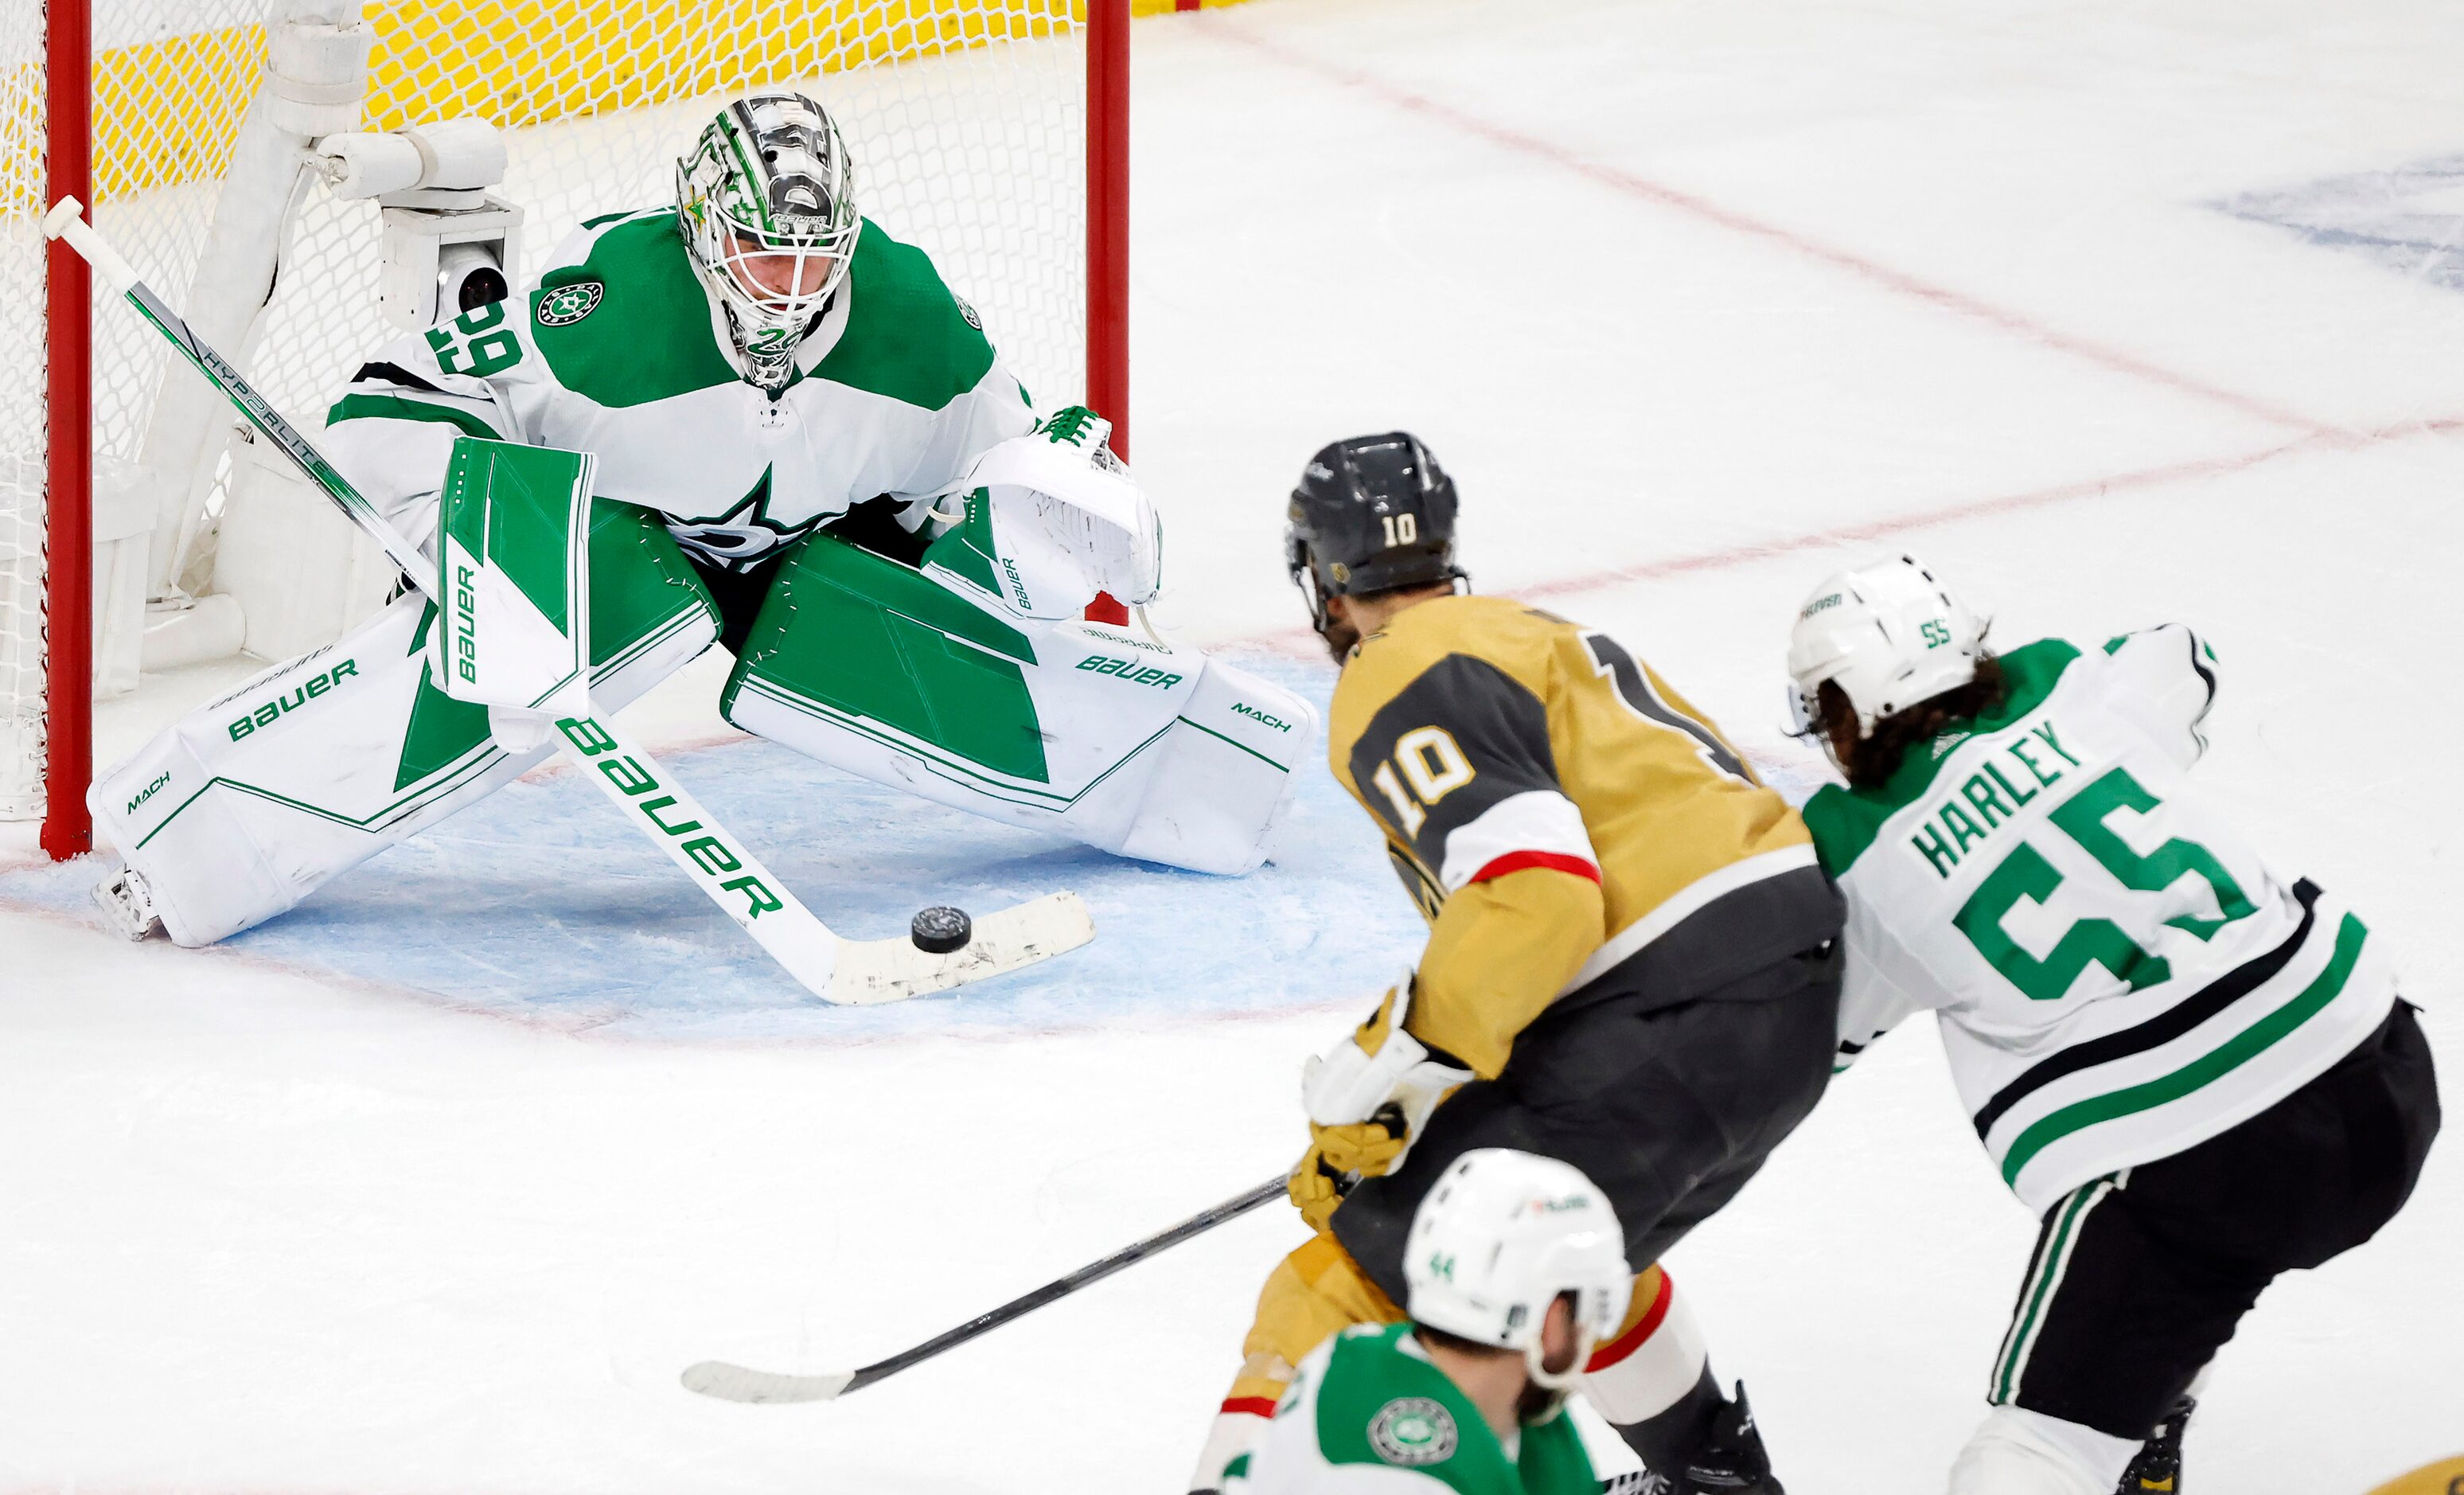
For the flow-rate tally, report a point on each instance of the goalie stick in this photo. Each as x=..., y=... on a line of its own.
x=737, y=1383
x=836, y=970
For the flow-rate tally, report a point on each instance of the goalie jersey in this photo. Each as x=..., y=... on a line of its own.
x=1574, y=832
x=618, y=351
x=1369, y=1412
x=2117, y=975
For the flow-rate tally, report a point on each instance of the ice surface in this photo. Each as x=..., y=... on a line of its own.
x=468, y=913
x=1698, y=301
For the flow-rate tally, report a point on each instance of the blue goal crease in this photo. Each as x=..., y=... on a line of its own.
x=538, y=904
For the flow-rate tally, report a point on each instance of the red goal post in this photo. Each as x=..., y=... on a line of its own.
x=969, y=121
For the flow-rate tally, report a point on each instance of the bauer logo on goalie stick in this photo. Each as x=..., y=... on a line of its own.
x=561, y=306
x=637, y=778
x=1413, y=1431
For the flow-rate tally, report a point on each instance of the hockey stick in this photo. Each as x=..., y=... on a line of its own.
x=737, y=1383
x=841, y=970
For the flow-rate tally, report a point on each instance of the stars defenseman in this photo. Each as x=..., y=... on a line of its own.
x=2196, y=1072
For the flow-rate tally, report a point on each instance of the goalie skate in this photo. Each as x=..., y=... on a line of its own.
x=127, y=908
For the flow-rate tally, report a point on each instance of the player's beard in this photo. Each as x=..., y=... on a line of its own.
x=1537, y=1403
x=1340, y=637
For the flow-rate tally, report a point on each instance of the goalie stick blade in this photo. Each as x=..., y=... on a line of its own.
x=756, y=1388
x=874, y=971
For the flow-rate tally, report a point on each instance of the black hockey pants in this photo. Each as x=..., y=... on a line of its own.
x=2139, y=1277
x=1668, y=1111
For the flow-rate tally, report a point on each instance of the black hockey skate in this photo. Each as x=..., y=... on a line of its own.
x=1731, y=1461
x=2158, y=1468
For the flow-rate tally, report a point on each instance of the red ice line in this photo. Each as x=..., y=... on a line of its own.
x=1729, y=218
x=1299, y=640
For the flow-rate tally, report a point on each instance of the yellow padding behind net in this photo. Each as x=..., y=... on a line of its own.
x=516, y=63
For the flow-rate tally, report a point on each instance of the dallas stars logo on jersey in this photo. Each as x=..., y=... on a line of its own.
x=561, y=306
x=1413, y=1431
x=744, y=537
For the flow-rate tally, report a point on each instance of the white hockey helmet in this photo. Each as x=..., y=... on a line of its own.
x=1888, y=635
x=1500, y=1237
x=766, y=202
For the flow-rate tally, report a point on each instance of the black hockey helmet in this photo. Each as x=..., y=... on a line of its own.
x=1370, y=513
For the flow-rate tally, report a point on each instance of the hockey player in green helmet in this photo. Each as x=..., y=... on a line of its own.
x=809, y=452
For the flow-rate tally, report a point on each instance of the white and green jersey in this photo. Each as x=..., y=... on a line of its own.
x=1367, y=1412
x=2117, y=975
x=618, y=351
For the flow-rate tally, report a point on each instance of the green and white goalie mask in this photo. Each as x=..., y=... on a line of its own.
x=766, y=203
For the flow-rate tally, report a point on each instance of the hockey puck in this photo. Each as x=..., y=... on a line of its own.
x=939, y=930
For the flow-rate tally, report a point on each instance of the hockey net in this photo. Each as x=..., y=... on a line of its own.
x=966, y=120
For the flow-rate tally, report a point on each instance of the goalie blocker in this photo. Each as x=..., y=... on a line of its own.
x=927, y=678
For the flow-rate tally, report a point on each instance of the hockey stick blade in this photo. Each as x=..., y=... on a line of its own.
x=874, y=971
x=757, y=1388
x=738, y=1383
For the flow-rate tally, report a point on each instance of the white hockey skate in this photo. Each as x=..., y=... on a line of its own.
x=127, y=908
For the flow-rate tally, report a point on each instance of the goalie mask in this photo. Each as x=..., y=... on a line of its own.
x=765, y=200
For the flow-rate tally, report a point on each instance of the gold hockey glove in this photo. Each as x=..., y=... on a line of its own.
x=1366, y=1099
x=1340, y=1156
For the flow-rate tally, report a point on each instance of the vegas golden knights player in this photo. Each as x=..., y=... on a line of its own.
x=1632, y=963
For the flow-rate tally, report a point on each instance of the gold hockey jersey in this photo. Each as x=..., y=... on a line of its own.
x=1571, y=827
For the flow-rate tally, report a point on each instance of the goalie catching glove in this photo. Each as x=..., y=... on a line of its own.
x=1059, y=518
x=1367, y=1098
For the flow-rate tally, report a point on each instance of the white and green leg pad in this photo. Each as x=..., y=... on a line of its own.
x=513, y=586
x=1097, y=732
x=249, y=803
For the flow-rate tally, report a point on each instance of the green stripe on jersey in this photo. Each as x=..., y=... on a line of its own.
x=2230, y=1055
x=907, y=339
x=649, y=337
x=1845, y=821
x=396, y=407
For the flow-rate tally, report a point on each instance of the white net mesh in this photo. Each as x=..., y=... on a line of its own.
x=965, y=119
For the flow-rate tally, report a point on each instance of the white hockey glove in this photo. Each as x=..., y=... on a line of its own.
x=1066, y=518
x=1367, y=1098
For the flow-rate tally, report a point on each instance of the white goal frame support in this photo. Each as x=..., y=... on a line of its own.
x=68, y=660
